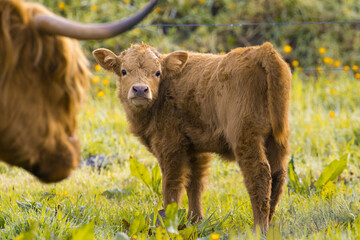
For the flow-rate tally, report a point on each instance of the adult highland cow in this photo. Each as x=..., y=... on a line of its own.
x=185, y=105
x=43, y=79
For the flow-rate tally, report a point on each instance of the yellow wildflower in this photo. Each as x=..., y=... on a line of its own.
x=355, y=67
x=95, y=79
x=100, y=94
x=322, y=50
x=201, y=1
x=127, y=1
x=105, y=81
x=328, y=60
x=295, y=63
x=346, y=68
x=287, y=48
x=134, y=237
x=215, y=236
x=332, y=92
x=94, y=8
x=232, y=6
x=97, y=67
x=61, y=5
x=222, y=53
x=65, y=193
x=300, y=68
x=337, y=63
x=357, y=75
x=332, y=114
x=319, y=69
x=158, y=10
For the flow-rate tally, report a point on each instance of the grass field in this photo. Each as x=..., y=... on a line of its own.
x=114, y=202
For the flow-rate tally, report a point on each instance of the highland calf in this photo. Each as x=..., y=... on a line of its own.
x=43, y=79
x=185, y=105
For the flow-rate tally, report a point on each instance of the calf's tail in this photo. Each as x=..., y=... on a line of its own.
x=278, y=78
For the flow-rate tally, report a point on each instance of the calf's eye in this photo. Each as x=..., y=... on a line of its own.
x=123, y=72
x=157, y=73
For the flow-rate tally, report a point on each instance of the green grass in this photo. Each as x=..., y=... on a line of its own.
x=76, y=209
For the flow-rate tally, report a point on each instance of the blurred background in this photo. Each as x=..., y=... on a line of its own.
x=331, y=45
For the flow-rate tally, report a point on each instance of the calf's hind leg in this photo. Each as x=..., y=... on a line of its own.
x=277, y=156
x=255, y=168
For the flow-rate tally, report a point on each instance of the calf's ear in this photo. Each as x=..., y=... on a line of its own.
x=107, y=59
x=175, y=62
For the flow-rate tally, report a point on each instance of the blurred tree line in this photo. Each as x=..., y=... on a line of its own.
x=341, y=41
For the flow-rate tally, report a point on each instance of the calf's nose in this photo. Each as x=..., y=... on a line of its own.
x=140, y=91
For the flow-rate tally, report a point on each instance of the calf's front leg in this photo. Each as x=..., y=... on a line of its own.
x=199, y=165
x=175, y=171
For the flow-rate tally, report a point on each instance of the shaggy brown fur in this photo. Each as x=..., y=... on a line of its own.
x=236, y=105
x=43, y=80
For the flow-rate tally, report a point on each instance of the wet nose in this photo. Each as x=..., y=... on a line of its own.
x=140, y=89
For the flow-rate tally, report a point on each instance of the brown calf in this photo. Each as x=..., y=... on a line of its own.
x=43, y=79
x=184, y=105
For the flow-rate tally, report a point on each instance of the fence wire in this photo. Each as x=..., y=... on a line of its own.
x=261, y=24
x=246, y=24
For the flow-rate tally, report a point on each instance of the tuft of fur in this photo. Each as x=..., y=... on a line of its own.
x=43, y=80
x=235, y=105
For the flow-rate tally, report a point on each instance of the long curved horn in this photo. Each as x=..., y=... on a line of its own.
x=60, y=26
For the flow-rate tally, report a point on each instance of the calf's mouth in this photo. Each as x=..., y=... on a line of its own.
x=140, y=101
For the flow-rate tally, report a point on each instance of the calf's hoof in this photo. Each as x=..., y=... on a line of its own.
x=194, y=218
x=162, y=213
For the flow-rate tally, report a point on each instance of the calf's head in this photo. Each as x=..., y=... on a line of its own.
x=140, y=70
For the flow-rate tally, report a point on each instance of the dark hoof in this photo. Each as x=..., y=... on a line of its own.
x=162, y=213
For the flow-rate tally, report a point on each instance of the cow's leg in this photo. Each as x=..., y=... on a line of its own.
x=255, y=168
x=277, y=156
x=199, y=166
x=175, y=170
